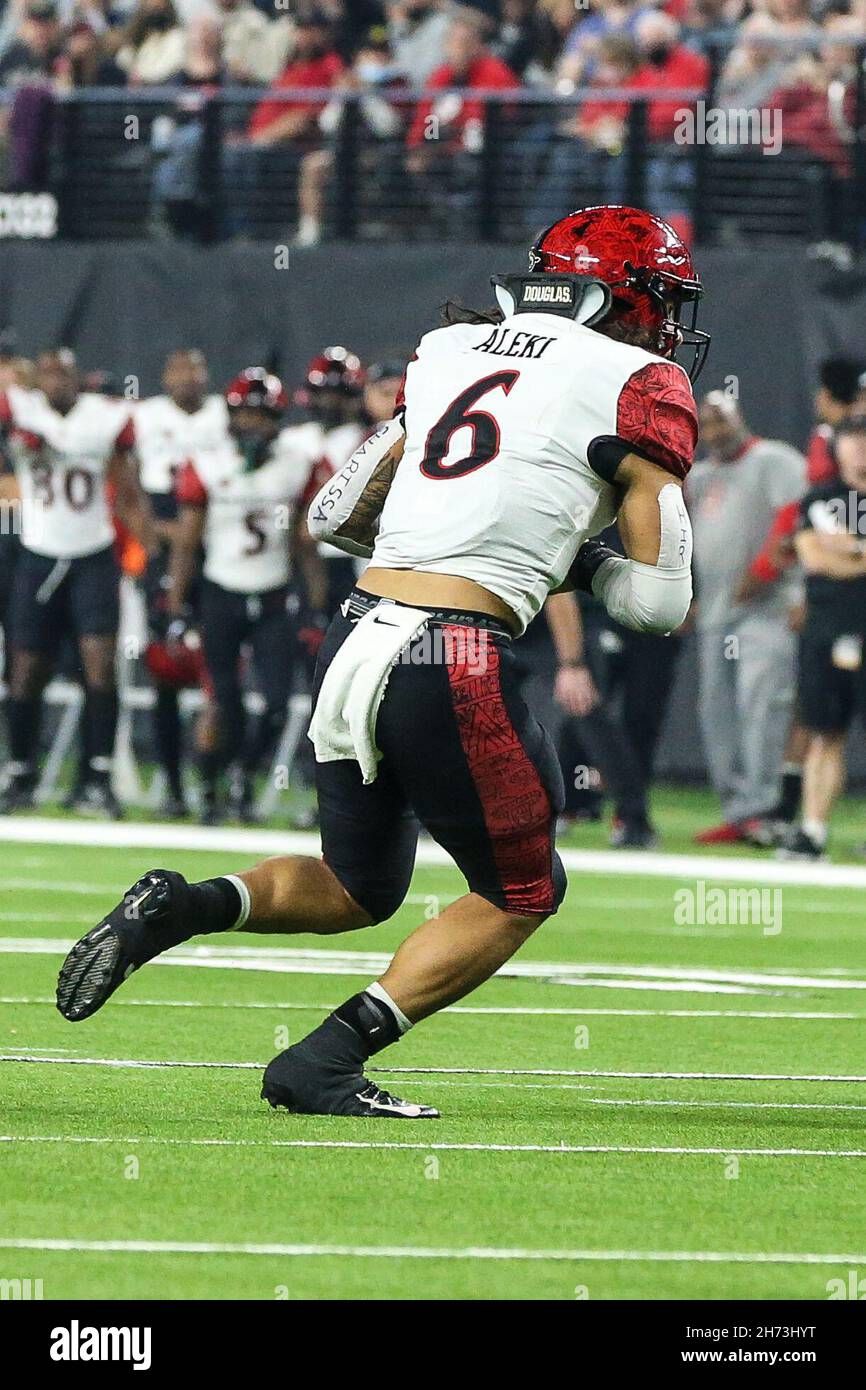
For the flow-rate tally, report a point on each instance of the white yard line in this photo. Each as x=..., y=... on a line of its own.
x=138, y=835
x=316, y=961
x=678, y=1151
x=278, y=1006
x=676, y=1104
x=428, y=1252
x=157, y=1065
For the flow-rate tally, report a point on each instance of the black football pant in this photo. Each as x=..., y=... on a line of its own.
x=229, y=621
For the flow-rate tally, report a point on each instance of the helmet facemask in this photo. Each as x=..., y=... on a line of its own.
x=669, y=296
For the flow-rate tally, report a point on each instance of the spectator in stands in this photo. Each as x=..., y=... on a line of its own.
x=709, y=23
x=668, y=64
x=746, y=650
x=29, y=69
x=817, y=99
x=255, y=48
x=417, y=30
x=447, y=133
x=580, y=52
x=757, y=65
x=584, y=163
x=34, y=54
x=527, y=39
x=181, y=195
x=281, y=133
x=559, y=15
x=86, y=61
x=374, y=80
x=154, y=45
x=831, y=547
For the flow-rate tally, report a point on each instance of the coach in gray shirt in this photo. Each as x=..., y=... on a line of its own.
x=747, y=649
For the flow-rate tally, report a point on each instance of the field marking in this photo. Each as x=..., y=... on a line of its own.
x=147, y=1064
x=678, y=1151
x=319, y=961
x=66, y=917
x=515, y=1009
x=236, y=841
x=679, y=1104
x=426, y=1252
x=604, y=904
x=38, y=885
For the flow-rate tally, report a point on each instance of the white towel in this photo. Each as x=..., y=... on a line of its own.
x=344, y=721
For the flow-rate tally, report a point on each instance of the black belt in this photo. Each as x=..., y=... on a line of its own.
x=358, y=603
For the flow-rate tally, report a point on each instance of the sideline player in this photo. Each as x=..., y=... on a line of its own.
x=237, y=501
x=517, y=441
x=67, y=446
x=170, y=429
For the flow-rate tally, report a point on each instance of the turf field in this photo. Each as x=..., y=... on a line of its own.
x=627, y=1114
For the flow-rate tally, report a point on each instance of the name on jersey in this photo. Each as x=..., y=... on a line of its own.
x=512, y=342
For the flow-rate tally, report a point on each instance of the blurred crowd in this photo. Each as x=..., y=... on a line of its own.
x=411, y=66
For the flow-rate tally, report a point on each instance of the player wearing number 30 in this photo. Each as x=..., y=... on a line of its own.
x=518, y=440
x=68, y=447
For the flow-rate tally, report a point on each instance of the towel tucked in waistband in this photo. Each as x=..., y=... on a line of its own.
x=344, y=721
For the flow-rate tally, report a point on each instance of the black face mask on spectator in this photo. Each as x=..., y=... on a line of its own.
x=658, y=54
x=160, y=22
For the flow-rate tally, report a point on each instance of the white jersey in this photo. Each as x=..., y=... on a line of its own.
x=61, y=462
x=513, y=433
x=167, y=437
x=331, y=450
x=249, y=512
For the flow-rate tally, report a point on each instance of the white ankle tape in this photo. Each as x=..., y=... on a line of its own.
x=376, y=990
x=246, y=902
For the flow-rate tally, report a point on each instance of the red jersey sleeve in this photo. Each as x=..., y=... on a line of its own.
x=6, y=417
x=126, y=437
x=189, y=489
x=775, y=555
x=319, y=475
x=656, y=416
x=820, y=462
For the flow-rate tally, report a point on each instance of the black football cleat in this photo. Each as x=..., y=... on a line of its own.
x=144, y=923
x=173, y=807
x=801, y=846
x=96, y=799
x=19, y=792
x=304, y=1085
x=633, y=834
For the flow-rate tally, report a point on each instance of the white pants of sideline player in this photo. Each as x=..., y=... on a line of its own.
x=747, y=679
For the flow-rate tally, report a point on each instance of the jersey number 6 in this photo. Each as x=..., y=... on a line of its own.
x=458, y=416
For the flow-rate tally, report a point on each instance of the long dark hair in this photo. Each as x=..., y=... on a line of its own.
x=454, y=312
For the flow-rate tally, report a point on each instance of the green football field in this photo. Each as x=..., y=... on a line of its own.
x=646, y=1106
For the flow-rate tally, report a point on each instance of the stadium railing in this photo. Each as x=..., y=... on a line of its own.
x=164, y=162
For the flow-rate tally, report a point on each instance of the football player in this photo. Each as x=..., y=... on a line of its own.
x=170, y=429
x=237, y=501
x=515, y=443
x=67, y=447
x=332, y=393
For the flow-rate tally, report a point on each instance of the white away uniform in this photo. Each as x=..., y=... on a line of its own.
x=249, y=512
x=167, y=437
x=512, y=436
x=61, y=462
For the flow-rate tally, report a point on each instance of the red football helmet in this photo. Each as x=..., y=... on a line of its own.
x=259, y=389
x=335, y=369
x=644, y=264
